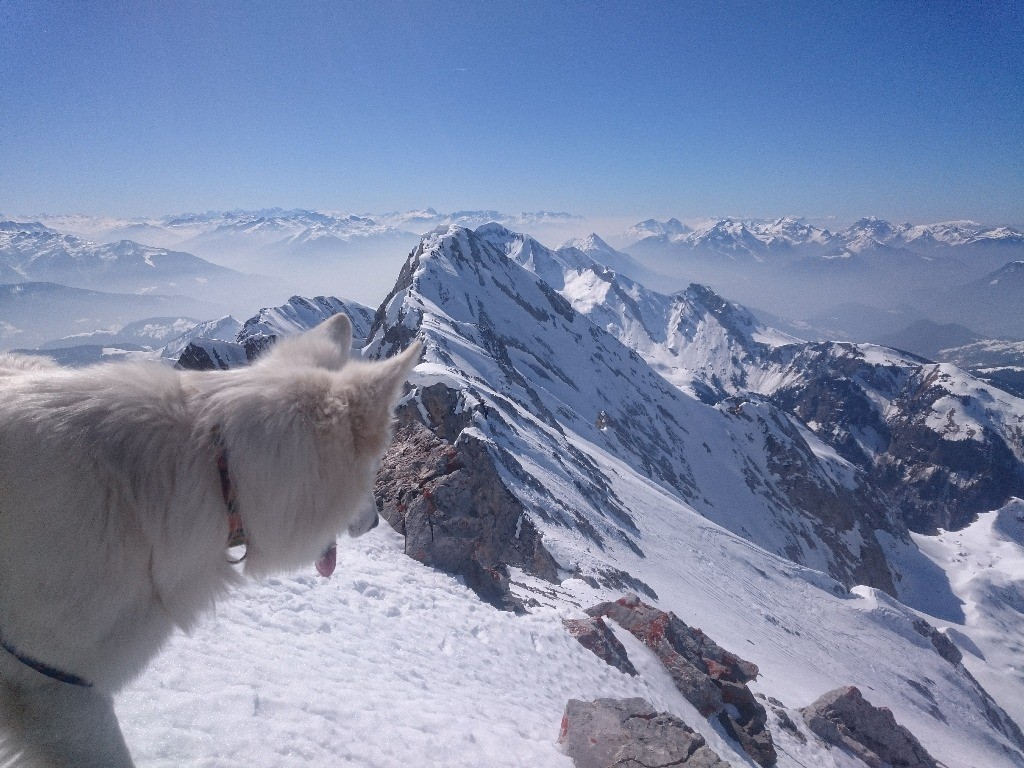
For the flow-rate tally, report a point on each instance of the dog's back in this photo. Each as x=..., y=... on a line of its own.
x=11, y=363
x=117, y=503
x=53, y=599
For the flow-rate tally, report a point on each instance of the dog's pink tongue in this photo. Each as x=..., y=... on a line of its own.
x=325, y=565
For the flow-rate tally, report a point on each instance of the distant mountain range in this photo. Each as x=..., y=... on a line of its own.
x=952, y=272
x=280, y=232
x=32, y=252
x=33, y=313
x=756, y=239
x=887, y=275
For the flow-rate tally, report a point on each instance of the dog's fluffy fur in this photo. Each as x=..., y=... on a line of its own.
x=113, y=527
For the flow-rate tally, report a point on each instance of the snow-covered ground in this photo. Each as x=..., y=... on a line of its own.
x=391, y=663
x=388, y=663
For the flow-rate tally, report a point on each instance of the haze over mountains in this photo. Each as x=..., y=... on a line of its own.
x=574, y=434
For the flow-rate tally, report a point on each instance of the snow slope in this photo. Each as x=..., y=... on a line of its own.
x=946, y=444
x=985, y=563
x=391, y=663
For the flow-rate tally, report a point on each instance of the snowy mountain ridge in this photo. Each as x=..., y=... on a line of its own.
x=876, y=407
x=228, y=343
x=33, y=252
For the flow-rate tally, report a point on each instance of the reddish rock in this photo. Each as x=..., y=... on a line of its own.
x=710, y=677
x=597, y=637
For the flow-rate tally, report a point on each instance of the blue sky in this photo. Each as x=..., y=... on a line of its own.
x=906, y=110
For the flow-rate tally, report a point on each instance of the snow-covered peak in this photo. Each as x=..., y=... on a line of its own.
x=551, y=265
x=792, y=231
x=502, y=336
x=592, y=243
x=299, y=314
x=655, y=228
x=875, y=228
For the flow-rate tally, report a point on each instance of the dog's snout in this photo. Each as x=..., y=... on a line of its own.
x=364, y=523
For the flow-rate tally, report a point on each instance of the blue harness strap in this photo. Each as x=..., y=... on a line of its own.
x=44, y=669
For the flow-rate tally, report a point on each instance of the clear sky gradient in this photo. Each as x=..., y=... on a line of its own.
x=907, y=110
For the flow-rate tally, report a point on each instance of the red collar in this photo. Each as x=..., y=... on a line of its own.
x=237, y=536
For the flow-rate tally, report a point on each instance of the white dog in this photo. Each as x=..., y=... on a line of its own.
x=120, y=486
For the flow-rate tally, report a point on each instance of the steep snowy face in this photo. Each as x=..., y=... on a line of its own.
x=550, y=266
x=697, y=340
x=985, y=562
x=945, y=444
x=598, y=251
x=565, y=408
x=223, y=329
x=300, y=314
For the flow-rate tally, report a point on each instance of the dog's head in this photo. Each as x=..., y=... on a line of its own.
x=305, y=429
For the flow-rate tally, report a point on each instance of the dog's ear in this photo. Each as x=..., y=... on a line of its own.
x=327, y=345
x=338, y=329
x=374, y=390
x=394, y=371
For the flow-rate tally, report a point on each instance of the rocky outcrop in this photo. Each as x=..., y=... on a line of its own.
x=942, y=644
x=709, y=677
x=943, y=445
x=845, y=719
x=438, y=486
x=628, y=733
x=836, y=512
x=597, y=637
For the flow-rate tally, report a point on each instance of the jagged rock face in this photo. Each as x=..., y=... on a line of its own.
x=212, y=355
x=942, y=444
x=833, y=506
x=629, y=733
x=438, y=486
x=709, y=677
x=942, y=644
x=594, y=635
x=845, y=719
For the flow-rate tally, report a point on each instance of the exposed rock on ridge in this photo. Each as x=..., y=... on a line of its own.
x=844, y=718
x=438, y=486
x=594, y=635
x=629, y=733
x=711, y=678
